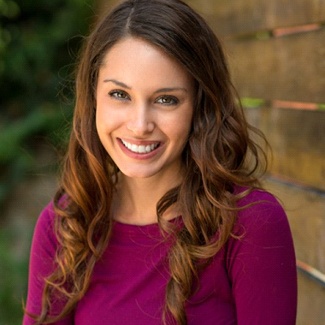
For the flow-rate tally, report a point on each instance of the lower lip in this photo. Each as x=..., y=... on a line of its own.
x=139, y=156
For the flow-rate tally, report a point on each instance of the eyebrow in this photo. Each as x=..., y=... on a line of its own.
x=118, y=83
x=162, y=90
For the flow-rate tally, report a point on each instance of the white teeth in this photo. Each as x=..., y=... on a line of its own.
x=140, y=149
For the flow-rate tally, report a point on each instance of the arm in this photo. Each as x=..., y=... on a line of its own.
x=41, y=264
x=262, y=266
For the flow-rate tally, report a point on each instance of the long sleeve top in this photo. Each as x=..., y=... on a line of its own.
x=250, y=281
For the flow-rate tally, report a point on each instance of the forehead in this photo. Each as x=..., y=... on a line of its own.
x=134, y=58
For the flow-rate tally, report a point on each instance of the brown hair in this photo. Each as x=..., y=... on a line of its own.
x=218, y=155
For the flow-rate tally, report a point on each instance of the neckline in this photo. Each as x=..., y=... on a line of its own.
x=144, y=226
x=126, y=234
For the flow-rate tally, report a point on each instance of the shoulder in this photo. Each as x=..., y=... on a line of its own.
x=46, y=221
x=260, y=261
x=262, y=226
x=46, y=218
x=260, y=209
x=261, y=234
x=256, y=196
x=44, y=233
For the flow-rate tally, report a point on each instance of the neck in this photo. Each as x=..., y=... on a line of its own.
x=136, y=200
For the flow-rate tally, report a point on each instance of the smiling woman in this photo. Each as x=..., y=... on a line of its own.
x=140, y=100
x=159, y=218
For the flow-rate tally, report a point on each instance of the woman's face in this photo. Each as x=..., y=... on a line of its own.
x=144, y=109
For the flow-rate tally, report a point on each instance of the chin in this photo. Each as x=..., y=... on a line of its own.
x=137, y=173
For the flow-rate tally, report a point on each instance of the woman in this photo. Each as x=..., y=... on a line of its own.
x=159, y=218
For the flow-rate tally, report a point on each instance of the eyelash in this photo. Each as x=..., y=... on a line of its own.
x=119, y=94
x=166, y=100
x=171, y=100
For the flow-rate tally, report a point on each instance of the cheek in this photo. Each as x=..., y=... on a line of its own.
x=185, y=122
x=179, y=129
x=99, y=121
x=103, y=126
x=107, y=119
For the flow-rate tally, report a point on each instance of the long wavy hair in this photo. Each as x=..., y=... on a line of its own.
x=219, y=155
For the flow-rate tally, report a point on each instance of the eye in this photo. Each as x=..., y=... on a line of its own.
x=167, y=100
x=119, y=95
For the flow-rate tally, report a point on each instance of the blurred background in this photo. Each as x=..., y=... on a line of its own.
x=276, y=51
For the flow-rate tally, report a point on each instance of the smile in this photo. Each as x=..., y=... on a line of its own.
x=140, y=148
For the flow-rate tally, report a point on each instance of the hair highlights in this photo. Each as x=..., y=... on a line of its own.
x=218, y=155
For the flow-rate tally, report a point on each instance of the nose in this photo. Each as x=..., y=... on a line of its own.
x=140, y=121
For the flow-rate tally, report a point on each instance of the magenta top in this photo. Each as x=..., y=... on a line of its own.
x=251, y=281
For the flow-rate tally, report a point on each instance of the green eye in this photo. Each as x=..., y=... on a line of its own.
x=167, y=100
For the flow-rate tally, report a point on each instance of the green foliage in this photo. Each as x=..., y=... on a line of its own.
x=13, y=270
x=39, y=42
